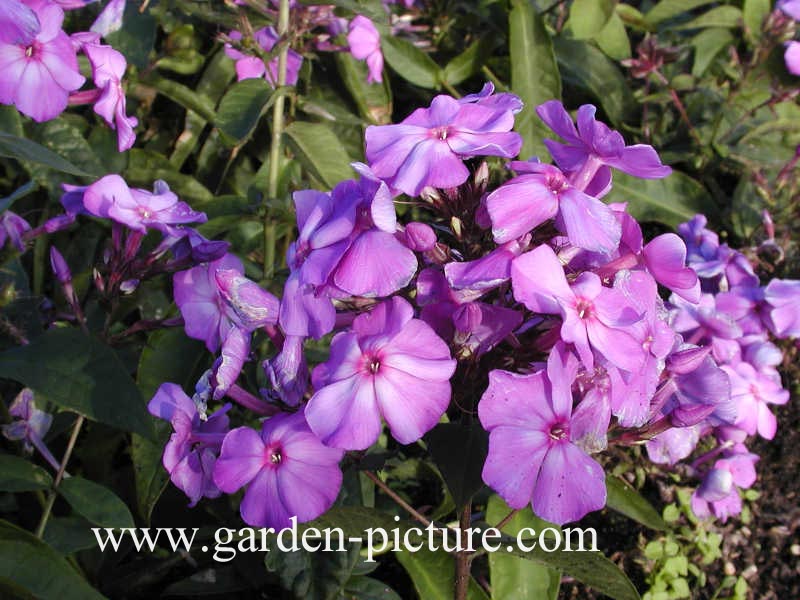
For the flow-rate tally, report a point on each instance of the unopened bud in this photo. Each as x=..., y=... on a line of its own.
x=59, y=266
x=419, y=237
x=254, y=306
x=687, y=361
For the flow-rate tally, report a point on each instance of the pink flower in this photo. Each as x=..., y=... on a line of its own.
x=365, y=44
x=37, y=77
x=108, y=68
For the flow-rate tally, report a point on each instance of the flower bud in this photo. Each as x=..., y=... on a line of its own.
x=59, y=266
x=687, y=360
x=420, y=237
x=467, y=317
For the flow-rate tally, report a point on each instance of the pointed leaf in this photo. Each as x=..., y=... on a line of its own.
x=20, y=475
x=411, y=63
x=320, y=152
x=626, y=500
x=95, y=502
x=19, y=148
x=241, y=107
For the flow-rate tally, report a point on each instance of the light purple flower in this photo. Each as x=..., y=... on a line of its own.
x=108, y=68
x=29, y=425
x=427, y=148
x=192, y=450
x=111, y=198
x=388, y=365
x=198, y=298
x=753, y=392
x=527, y=201
x=791, y=57
x=719, y=494
x=37, y=76
x=673, y=444
x=288, y=371
x=365, y=44
x=782, y=297
x=789, y=7
x=593, y=147
x=532, y=456
x=110, y=18
x=253, y=67
x=594, y=317
x=12, y=228
x=18, y=23
x=287, y=470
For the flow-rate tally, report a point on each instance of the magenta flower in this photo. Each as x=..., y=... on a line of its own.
x=287, y=470
x=790, y=8
x=594, y=317
x=753, y=392
x=388, y=365
x=791, y=56
x=427, y=148
x=365, y=44
x=111, y=198
x=527, y=201
x=593, y=147
x=532, y=457
x=253, y=67
x=108, y=68
x=192, y=450
x=38, y=76
x=18, y=23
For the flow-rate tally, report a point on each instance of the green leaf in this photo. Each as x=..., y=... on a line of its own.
x=753, y=14
x=588, y=17
x=512, y=577
x=534, y=73
x=707, y=44
x=145, y=166
x=69, y=534
x=136, y=37
x=434, y=574
x=667, y=9
x=367, y=588
x=180, y=94
x=469, y=62
x=374, y=100
x=411, y=63
x=79, y=373
x=587, y=68
x=590, y=568
x=168, y=356
x=95, y=502
x=672, y=200
x=626, y=500
x=65, y=139
x=36, y=567
x=19, y=148
x=721, y=16
x=459, y=452
x=320, y=152
x=241, y=107
x=613, y=39
x=20, y=475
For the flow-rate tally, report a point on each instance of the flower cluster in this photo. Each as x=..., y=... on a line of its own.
x=576, y=332
x=39, y=64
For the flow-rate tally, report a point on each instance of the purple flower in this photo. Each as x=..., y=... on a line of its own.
x=192, y=450
x=673, y=444
x=288, y=471
x=791, y=57
x=288, y=371
x=427, y=148
x=108, y=68
x=789, y=7
x=593, y=147
x=719, y=494
x=594, y=317
x=388, y=365
x=29, y=426
x=532, y=457
x=529, y=200
x=38, y=75
x=782, y=297
x=365, y=44
x=253, y=67
x=198, y=298
x=12, y=227
x=18, y=23
x=110, y=18
x=111, y=198
x=753, y=392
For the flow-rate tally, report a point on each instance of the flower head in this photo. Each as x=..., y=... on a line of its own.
x=388, y=365
x=365, y=44
x=253, y=67
x=287, y=470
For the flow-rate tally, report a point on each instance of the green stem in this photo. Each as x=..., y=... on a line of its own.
x=51, y=498
x=275, y=147
x=453, y=91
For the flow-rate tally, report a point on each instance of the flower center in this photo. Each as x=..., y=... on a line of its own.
x=440, y=133
x=584, y=308
x=275, y=457
x=556, y=183
x=558, y=431
x=374, y=365
x=144, y=212
x=32, y=51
